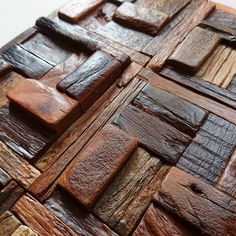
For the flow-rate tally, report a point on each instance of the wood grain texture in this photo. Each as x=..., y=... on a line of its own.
x=232, y=85
x=100, y=161
x=207, y=156
x=4, y=67
x=210, y=210
x=158, y=136
x=24, y=231
x=220, y=67
x=175, y=32
x=4, y=178
x=128, y=196
x=183, y=115
x=26, y=63
x=75, y=216
x=39, y=219
x=194, y=50
x=75, y=10
x=139, y=18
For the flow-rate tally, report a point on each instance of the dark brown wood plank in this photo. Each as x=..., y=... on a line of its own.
x=210, y=210
x=183, y=115
x=232, y=85
x=128, y=196
x=26, y=63
x=4, y=178
x=207, y=156
x=75, y=216
x=194, y=50
x=105, y=155
x=145, y=20
x=4, y=67
x=158, y=136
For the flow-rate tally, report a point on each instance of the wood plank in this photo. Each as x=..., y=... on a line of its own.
x=26, y=63
x=227, y=182
x=183, y=115
x=158, y=136
x=145, y=20
x=207, y=156
x=220, y=67
x=105, y=155
x=75, y=216
x=50, y=107
x=39, y=219
x=75, y=10
x=25, y=174
x=128, y=196
x=210, y=210
x=24, y=231
x=194, y=50
x=232, y=85
x=4, y=67
x=176, y=31
x=4, y=178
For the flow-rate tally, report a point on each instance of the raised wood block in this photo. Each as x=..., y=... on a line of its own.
x=194, y=50
x=26, y=63
x=126, y=199
x=207, y=156
x=183, y=115
x=91, y=79
x=77, y=9
x=24, y=231
x=4, y=67
x=4, y=178
x=139, y=18
x=92, y=171
x=208, y=209
x=46, y=104
x=232, y=85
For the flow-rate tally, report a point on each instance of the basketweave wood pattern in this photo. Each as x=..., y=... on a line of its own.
x=118, y=118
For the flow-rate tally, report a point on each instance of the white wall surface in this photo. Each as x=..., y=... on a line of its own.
x=18, y=15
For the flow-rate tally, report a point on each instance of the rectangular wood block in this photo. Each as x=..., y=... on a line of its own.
x=52, y=108
x=139, y=18
x=77, y=9
x=207, y=156
x=181, y=114
x=88, y=176
x=158, y=136
x=208, y=209
x=194, y=50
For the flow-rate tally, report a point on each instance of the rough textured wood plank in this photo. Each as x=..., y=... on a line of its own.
x=52, y=108
x=75, y=10
x=220, y=67
x=142, y=19
x=207, y=156
x=75, y=216
x=183, y=115
x=24, y=231
x=210, y=210
x=194, y=50
x=26, y=63
x=25, y=174
x=4, y=67
x=4, y=178
x=105, y=155
x=128, y=196
x=227, y=182
x=38, y=218
x=176, y=31
x=159, y=137
x=232, y=85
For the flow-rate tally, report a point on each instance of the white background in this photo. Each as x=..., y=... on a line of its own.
x=18, y=15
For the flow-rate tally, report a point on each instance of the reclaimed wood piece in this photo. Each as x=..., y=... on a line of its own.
x=210, y=210
x=4, y=67
x=175, y=32
x=127, y=197
x=183, y=115
x=8, y=224
x=207, y=156
x=105, y=156
x=232, y=85
x=227, y=182
x=39, y=219
x=75, y=216
x=75, y=10
x=24, y=231
x=26, y=63
x=4, y=178
x=91, y=79
x=46, y=104
x=158, y=136
x=194, y=50
x=139, y=18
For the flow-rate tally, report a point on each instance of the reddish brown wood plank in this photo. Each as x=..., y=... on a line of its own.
x=210, y=210
x=105, y=155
